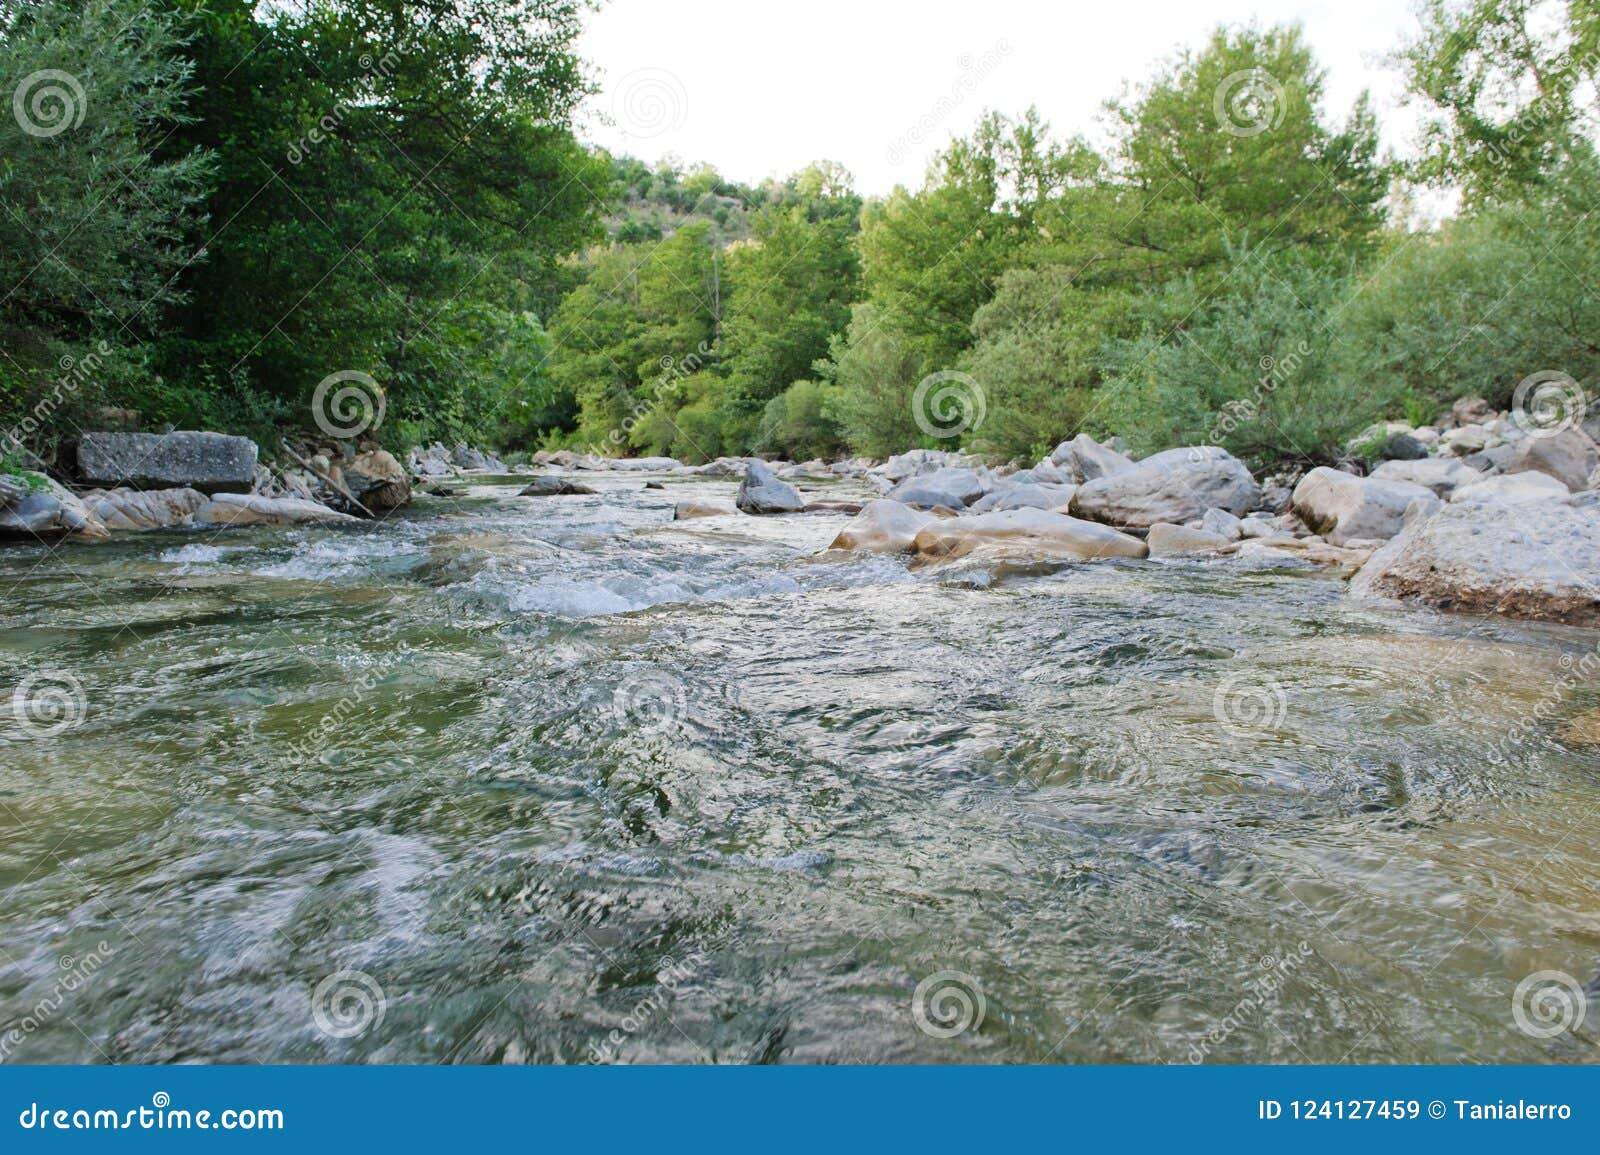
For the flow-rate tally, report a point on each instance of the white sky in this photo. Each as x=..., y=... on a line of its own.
x=760, y=88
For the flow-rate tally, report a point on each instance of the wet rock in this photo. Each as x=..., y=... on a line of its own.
x=129, y=509
x=1568, y=456
x=1534, y=559
x=1176, y=486
x=761, y=492
x=1177, y=540
x=1026, y=533
x=882, y=526
x=377, y=481
x=209, y=462
x=687, y=510
x=226, y=509
x=1341, y=507
x=554, y=487
x=37, y=507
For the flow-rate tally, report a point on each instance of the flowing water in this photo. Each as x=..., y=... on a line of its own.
x=560, y=780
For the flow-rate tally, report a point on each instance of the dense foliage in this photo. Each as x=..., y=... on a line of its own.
x=229, y=201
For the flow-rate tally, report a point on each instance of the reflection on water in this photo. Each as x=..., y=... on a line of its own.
x=559, y=780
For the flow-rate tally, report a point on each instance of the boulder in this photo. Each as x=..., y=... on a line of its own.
x=1343, y=508
x=686, y=510
x=1223, y=524
x=1085, y=459
x=1569, y=457
x=882, y=526
x=466, y=457
x=1471, y=411
x=143, y=509
x=1177, y=540
x=377, y=480
x=1026, y=496
x=1028, y=533
x=762, y=492
x=1440, y=474
x=251, y=509
x=209, y=462
x=1509, y=488
x=1401, y=447
x=951, y=486
x=1176, y=486
x=1534, y=559
x=40, y=508
x=554, y=487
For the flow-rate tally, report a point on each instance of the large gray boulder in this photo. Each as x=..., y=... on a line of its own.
x=1440, y=474
x=1342, y=507
x=1029, y=534
x=951, y=486
x=1509, y=488
x=882, y=526
x=1569, y=457
x=1176, y=486
x=1534, y=559
x=144, y=508
x=209, y=462
x=33, y=506
x=762, y=491
x=1084, y=459
x=1027, y=496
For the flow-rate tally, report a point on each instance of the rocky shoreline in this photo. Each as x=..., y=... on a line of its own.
x=1473, y=512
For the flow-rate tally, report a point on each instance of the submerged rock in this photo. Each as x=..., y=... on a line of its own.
x=1176, y=486
x=1030, y=533
x=209, y=462
x=1533, y=559
x=762, y=492
x=882, y=526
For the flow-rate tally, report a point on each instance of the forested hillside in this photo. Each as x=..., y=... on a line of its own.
x=238, y=200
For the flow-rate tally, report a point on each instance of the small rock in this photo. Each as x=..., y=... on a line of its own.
x=554, y=487
x=762, y=492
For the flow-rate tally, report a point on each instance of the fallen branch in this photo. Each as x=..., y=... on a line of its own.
x=338, y=486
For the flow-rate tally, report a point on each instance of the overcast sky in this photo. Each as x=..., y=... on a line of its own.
x=761, y=88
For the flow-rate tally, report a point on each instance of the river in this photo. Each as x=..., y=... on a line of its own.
x=560, y=780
